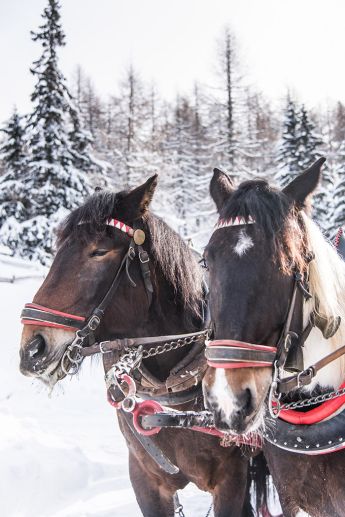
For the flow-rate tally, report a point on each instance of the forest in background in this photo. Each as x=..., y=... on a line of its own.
x=74, y=140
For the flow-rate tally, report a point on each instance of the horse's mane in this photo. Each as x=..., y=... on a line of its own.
x=275, y=216
x=170, y=253
x=327, y=284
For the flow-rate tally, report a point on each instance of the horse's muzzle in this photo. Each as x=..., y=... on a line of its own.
x=33, y=355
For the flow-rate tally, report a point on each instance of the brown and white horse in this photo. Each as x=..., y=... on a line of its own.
x=264, y=247
x=89, y=254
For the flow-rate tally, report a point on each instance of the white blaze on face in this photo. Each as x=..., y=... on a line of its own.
x=243, y=244
x=221, y=394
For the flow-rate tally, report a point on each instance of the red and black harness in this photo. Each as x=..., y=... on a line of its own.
x=143, y=418
x=34, y=314
x=311, y=432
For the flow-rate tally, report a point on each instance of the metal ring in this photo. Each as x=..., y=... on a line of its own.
x=73, y=368
x=75, y=360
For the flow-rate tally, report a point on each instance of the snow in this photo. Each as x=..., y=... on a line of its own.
x=62, y=456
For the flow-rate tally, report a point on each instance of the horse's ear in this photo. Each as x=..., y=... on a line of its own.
x=135, y=203
x=304, y=185
x=221, y=187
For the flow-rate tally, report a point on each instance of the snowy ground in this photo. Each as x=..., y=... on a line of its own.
x=62, y=456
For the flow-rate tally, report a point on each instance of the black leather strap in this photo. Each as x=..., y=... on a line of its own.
x=40, y=315
x=219, y=354
x=151, y=448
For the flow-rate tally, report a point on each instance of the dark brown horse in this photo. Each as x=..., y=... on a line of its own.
x=89, y=254
x=277, y=289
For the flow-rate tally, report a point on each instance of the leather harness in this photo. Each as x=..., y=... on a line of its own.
x=228, y=353
x=183, y=383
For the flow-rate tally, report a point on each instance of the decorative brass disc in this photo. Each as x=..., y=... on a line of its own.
x=139, y=237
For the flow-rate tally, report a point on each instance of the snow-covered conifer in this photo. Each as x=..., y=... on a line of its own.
x=12, y=149
x=51, y=184
x=287, y=159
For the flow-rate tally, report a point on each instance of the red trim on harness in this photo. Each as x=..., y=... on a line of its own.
x=120, y=226
x=229, y=366
x=315, y=415
x=337, y=237
x=241, y=344
x=147, y=407
x=47, y=324
x=230, y=343
x=53, y=311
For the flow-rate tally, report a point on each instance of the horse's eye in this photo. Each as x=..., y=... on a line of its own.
x=203, y=263
x=98, y=253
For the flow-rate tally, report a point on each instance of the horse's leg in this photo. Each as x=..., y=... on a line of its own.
x=229, y=493
x=154, y=497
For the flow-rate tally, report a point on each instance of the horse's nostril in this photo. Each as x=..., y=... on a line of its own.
x=248, y=401
x=245, y=403
x=36, y=347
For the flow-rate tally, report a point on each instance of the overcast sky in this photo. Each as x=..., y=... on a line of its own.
x=296, y=44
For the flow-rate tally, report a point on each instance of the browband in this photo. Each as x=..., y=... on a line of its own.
x=233, y=221
x=120, y=226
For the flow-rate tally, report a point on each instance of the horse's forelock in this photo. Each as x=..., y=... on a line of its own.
x=95, y=211
x=275, y=217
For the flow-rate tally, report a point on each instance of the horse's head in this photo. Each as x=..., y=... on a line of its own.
x=90, y=252
x=258, y=245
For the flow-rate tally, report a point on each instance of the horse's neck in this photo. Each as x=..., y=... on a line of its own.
x=167, y=318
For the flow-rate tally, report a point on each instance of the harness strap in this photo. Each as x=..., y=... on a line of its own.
x=34, y=314
x=120, y=344
x=144, y=260
x=150, y=447
x=304, y=378
x=228, y=353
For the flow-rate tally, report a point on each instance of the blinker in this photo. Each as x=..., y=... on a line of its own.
x=294, y=362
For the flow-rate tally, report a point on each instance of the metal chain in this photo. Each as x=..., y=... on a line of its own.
x=169, y=346
x=314, y=400
x=133, y=356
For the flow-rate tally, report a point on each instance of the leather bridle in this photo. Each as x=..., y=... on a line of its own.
x=34, y=314
x=230, y=354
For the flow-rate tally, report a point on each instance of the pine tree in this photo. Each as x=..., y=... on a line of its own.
x=51, y=184
x=14, y=158
x=308, y=141
x=12, y=150
x=287, y=158
x=308, y=151
x=224, y=109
